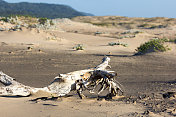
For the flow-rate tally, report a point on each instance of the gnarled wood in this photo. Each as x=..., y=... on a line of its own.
x=63, y=83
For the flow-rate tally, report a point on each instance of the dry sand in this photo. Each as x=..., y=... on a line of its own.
x=34, y=58
x=68, y=107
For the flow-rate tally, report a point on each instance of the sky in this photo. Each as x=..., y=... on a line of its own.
x=129, y=8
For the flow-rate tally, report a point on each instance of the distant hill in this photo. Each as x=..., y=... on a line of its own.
x=39, y=10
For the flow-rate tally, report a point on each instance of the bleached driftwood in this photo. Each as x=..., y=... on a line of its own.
x=64, y=83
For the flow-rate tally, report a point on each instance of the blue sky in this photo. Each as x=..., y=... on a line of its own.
x=130, y=8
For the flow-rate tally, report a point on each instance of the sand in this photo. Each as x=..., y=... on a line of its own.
x=64, y=107
x=34, y=58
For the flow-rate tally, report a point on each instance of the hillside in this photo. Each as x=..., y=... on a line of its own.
x=38, y=10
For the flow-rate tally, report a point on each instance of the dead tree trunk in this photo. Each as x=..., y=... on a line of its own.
x=61, y=85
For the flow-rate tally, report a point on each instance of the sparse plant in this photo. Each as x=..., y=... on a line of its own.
x=32, y=26
x=12, y=21
x=51, y=22
x=106, y=24
x=51, y=38
x=5, y=19
x=158, y=26
x=144, y=25
x=122, y=44
x=79, y=47
x=171, y=40
x=42, y=20
x=154, y=45
x=97, y=33
x=151, y=26
x=113, y=44
x=120, y=37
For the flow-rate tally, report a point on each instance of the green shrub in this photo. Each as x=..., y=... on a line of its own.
x=78, y=47
x=5, y=19
x=172, y=40
x=154, y=45
x=113, y=43
x=169, y=40
x=42, y=20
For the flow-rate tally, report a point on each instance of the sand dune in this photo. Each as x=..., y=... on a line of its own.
x=34, y=57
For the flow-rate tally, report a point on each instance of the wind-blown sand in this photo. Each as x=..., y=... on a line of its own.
x=151, y=74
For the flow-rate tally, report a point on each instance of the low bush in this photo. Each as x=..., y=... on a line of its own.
x=122, y=44
x=78, y=47
x=5, y=19
x=154, y=45
x=42, y=20
x=172, y=40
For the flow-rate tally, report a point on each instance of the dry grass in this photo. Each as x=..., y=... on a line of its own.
x=126, y=22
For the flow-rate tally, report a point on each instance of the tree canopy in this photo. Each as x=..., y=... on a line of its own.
x=38, y=10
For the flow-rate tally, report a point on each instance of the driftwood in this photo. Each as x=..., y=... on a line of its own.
x=81, y=80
